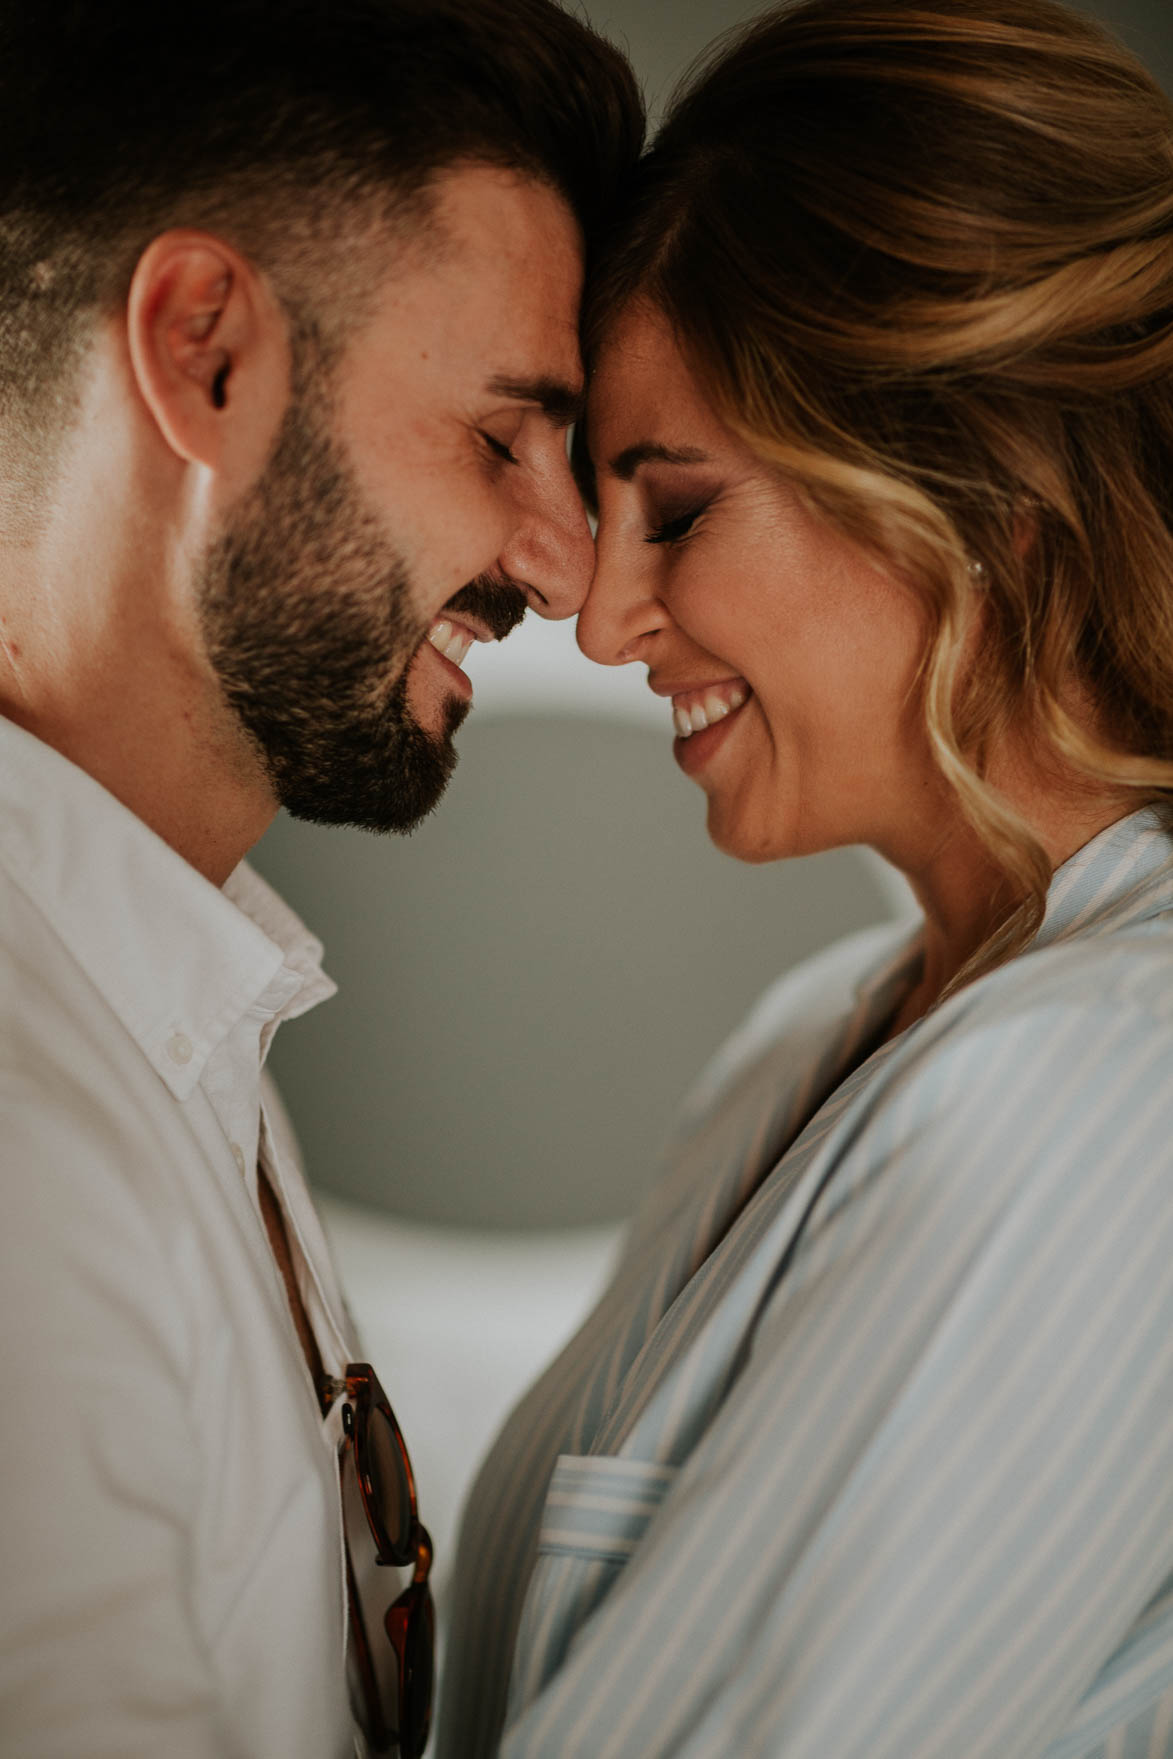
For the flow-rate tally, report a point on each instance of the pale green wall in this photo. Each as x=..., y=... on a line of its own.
x=531, y=980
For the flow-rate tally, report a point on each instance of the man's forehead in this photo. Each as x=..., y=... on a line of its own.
x=471, y=201
x=508, y=234
x=494, y=306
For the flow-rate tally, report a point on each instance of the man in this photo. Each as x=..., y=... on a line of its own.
x=287, y=354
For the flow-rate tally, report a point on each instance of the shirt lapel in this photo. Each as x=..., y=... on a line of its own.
x=689, y=1281
x=771, y=1134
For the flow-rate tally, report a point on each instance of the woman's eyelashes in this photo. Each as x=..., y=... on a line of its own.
x=675, y=528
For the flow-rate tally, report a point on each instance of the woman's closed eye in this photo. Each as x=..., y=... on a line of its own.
x=675, y=529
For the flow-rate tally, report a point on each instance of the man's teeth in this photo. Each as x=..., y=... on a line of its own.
x=692, y=713
x=450, y=639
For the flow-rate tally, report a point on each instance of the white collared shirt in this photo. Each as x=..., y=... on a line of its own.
x=170, y=1578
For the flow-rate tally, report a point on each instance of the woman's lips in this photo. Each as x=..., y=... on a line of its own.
x=704, y=718
x=694, y=710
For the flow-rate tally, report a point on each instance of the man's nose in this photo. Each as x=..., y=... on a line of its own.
x=552, y=554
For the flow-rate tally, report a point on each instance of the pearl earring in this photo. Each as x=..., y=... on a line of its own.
x=977, y=572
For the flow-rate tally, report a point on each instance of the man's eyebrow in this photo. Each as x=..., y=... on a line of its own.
x=625, y=464
x=559, y=402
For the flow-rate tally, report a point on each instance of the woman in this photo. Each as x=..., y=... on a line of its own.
x=868, y=1450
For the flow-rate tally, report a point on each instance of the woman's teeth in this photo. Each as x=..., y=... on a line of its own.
x=450, y=639
x=699, y=709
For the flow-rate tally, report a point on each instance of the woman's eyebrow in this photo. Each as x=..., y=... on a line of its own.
x=560, y=402
x=625, y=464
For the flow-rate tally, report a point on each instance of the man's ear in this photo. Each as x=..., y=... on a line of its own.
x=207, y=346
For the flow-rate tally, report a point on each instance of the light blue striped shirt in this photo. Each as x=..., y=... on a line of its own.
x=867, y=1452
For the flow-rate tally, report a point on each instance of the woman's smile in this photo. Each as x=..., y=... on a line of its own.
x=695, y=749
x=695, y=710
x=702, y=714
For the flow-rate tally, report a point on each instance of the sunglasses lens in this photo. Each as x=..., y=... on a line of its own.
x=411, y=1628
x=391, y=1678
x=390, y=1489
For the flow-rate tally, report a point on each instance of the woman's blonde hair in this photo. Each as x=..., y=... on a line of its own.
x=920, y=254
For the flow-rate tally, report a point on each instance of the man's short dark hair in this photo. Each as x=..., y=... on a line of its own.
x=276, y=123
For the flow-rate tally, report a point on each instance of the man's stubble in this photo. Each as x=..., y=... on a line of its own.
x=308, y=619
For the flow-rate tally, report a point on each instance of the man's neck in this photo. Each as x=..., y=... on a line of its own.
x=209, y=824
x=89, y=666
x=98, y=655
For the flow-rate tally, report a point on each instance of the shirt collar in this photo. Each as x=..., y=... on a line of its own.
x=1123, y=877
x=178, y=960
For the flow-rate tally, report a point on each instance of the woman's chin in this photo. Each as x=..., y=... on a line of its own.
x=754, y=844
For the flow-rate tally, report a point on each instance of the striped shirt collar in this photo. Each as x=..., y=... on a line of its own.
x=1124, y=876
x=177, y=959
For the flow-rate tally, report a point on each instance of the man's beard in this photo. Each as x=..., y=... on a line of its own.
x=308, y=620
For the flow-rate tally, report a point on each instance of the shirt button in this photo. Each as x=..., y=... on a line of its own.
x=179, y=1047
x=238, y=1157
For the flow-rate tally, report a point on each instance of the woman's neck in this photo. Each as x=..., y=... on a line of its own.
x=964, y=895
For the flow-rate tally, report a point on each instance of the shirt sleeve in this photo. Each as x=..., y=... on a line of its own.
x=941, y=1488
x=100, y=1649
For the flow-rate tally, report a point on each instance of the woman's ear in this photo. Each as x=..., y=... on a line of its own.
x=207, y=345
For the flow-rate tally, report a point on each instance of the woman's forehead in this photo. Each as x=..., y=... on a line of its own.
x=644, y=396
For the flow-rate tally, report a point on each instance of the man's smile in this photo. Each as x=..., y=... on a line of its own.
x=451, y=639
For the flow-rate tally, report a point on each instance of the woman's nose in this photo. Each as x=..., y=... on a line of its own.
x=551, y=553
x=619, y=614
